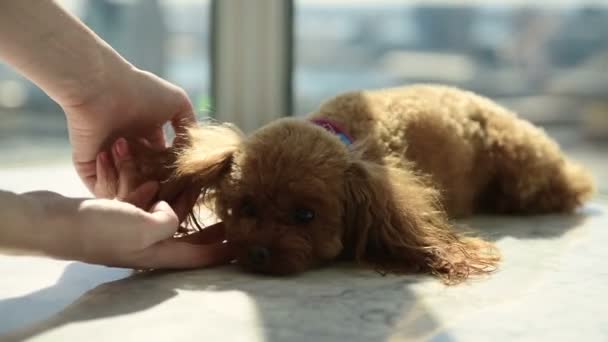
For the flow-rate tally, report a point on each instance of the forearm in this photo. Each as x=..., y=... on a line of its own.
x=36, y=222
x=106, y=232
x=55, y=50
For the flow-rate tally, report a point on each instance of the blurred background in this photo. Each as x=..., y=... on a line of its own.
x=546, y=60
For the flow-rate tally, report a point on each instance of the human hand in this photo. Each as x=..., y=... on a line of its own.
x=121, y=234
x=127, y=165
x=118, y=178
x=102, y=94
x=115, y=233
x=128, y=103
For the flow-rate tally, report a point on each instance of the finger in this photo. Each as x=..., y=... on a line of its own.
x=163, y=223
x=105, y=186
x=172, y=253
x=181, y=123
x=157, y=139
x=184, y=118
x=127, y=170
x=87, y=173
x=212, y=234
x=148, y=144
x=144, y=195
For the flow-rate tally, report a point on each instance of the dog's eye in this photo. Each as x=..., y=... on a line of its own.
x=247, y=208
x=303, y=215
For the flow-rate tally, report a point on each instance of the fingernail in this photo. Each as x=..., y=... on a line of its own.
x=122, y=148
x=103, y=158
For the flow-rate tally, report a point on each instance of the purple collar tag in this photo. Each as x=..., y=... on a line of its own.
x=334, y=128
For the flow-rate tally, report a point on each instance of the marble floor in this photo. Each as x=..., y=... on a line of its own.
x=550, y=287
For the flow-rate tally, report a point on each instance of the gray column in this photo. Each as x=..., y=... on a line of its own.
x=251, y=61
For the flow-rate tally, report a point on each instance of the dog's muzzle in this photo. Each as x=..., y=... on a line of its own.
x=258, y=256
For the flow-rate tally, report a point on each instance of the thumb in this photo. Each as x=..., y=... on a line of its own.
x=165, y=219
x=143, y=196
x=181, y=123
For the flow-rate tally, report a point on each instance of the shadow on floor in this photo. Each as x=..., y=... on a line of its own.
x=76, y=279
x=495, y=228
x=334, y=304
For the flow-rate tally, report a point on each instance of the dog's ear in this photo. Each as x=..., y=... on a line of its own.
x=207, y=152
x=206, y=155
x=394, y=221
x=198, y=164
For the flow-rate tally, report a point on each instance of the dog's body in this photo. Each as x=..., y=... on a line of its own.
x=480, y=155
x=293, y=195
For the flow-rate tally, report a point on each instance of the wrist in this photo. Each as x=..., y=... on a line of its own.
x=17, y=214
x=99, y=84
x=50, y=228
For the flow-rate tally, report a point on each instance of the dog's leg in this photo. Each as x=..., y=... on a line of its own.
x=530, y=173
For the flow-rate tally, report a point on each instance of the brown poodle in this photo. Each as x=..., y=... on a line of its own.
x=375, y=176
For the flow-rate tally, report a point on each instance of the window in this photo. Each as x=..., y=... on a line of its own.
x=547, y=61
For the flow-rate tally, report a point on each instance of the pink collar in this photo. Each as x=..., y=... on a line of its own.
x=335, y=128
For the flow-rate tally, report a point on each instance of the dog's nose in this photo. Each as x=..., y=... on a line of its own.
x=259, y=255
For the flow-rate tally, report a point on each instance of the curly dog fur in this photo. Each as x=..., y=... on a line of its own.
x=293, y=196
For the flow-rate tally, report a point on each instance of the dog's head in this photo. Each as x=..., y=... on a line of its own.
x=293, y=196
x=279, y=192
